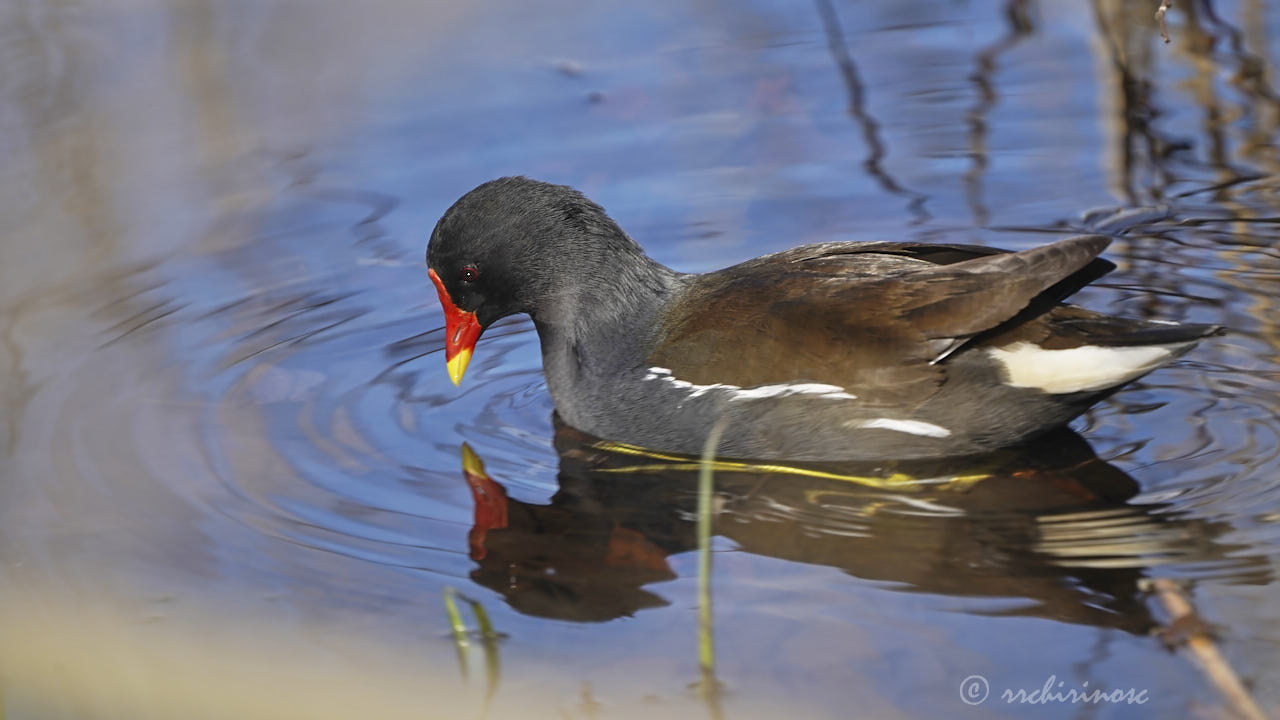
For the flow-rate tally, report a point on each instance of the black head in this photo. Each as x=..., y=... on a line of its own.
x=518, y=245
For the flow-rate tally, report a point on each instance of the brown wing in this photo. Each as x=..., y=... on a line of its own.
x=869, y=317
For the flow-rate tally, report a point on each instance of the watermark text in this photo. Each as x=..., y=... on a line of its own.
x=974, y=690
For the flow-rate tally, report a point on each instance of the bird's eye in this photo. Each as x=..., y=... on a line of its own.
x=469, y=274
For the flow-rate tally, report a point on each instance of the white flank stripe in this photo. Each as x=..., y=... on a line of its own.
x=1079, y=369
x=831, y=392
x=785, y=389
x=915, y=427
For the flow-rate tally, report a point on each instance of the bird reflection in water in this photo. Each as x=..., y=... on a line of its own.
x=1047, y=522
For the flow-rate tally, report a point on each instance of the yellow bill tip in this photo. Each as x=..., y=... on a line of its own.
x=471, y=462
x=457, y=365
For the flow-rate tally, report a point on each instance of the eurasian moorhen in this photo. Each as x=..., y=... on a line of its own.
x=834, y=351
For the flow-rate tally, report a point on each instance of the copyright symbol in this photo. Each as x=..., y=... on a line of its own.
x=974, y=689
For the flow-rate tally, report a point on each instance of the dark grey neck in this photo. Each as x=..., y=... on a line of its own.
x=602, y=328
x=618, y=302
